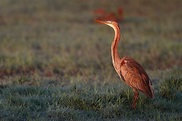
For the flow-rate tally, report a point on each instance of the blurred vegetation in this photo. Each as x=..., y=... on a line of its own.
x=55, y=60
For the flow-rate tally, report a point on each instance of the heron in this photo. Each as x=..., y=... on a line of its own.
x=128, y=69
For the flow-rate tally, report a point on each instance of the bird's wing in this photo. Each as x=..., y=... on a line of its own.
x=136, y=73
x=135, y=76
x=135, y=68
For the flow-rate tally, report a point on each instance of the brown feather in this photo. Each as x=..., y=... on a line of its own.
x=135, y=76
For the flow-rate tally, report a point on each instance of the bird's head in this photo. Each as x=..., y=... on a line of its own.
x=107, y=22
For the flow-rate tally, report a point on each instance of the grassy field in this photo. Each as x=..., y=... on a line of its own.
x=55, y=61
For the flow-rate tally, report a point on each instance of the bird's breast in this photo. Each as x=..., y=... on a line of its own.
x=128, y=77
x=124, y=72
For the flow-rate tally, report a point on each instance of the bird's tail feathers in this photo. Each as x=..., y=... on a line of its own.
x=149, y=92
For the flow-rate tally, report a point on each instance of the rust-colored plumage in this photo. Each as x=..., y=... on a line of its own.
x=129, y=69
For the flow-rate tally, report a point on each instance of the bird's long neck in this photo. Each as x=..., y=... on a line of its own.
x=114, y=46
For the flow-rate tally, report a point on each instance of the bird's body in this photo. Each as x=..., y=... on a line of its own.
x=129, y=69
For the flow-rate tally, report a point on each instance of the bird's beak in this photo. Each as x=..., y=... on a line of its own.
x=100, y=21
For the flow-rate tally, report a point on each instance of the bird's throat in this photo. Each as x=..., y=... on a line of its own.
x=114, y=46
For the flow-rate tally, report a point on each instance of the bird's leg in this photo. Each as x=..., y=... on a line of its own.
x=135, y=98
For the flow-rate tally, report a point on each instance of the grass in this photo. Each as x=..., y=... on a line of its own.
x=82, y=101
x=55, y=61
